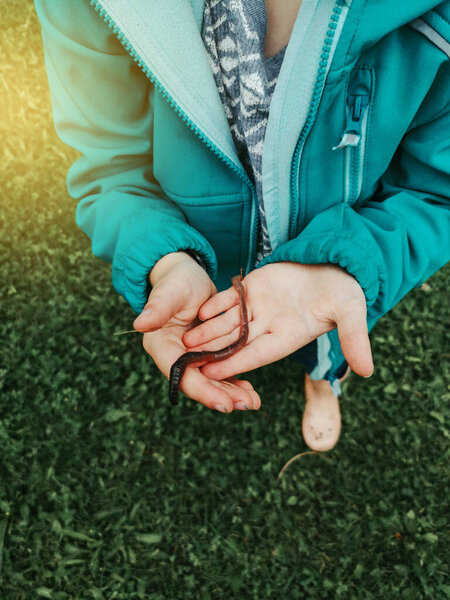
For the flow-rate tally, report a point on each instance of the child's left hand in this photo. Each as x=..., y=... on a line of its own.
x=289, y=305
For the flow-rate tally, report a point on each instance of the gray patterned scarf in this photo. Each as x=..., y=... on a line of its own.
x=234, y=33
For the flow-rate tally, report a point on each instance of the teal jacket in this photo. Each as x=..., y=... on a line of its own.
x=356, y=163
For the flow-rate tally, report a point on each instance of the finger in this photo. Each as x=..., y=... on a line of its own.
x=242, y=383
x=243, y=398
x=265, y=349
x=194, y=384
x=164, y=347
x=219, y=395
x=239, y=401
x=256, y=328
x=354, y=339
x=165, y=301
x=218, y=303
x=214, y=328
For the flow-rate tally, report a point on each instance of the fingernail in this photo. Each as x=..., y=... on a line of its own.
x=220, y=407
x=367, y=376
x=144, y=313
x=240, y=406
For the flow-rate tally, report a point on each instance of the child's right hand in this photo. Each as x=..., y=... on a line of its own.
x=179, y=287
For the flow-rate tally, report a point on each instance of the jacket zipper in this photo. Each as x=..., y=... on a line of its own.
x=354, y=142
x=315, y=100
x=241, y=172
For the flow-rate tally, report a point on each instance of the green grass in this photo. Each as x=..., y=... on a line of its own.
x=108, y=492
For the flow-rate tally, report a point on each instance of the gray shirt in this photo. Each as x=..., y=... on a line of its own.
x=234, y=32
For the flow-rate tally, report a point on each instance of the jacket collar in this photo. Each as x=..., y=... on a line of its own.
x=166, y=35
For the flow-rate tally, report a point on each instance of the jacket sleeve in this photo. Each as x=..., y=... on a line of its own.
x=401, y=236
x=102, y=106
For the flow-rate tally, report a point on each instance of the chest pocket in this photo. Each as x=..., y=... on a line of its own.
x=359, y=94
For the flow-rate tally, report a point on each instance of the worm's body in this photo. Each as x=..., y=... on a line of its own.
x=179, y=366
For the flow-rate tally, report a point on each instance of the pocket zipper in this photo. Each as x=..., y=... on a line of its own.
x=354, y=128
x=354, y=136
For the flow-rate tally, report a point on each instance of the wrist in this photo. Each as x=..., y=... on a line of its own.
x=343, y=287
x=167, y=262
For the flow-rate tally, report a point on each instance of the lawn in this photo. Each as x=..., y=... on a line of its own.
x=108, y=492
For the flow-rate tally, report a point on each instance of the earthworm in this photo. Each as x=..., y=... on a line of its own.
x=179, y=366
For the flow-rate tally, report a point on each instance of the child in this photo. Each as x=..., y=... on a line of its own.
x=334, y=202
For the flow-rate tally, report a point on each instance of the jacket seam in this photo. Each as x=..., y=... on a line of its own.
x=200, y=196
x=368, y=130
x=354, y=34
x=343, y=154
x=430, y=120
x=438, y=114
x=440, y=16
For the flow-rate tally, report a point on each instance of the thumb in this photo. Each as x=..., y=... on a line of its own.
x=163, y=303
x=354, y=338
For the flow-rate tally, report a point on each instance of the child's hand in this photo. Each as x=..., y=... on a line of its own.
x=180, y=287
x=289, y=305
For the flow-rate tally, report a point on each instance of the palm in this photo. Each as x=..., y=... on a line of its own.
x=289, y=305
x=181, y=294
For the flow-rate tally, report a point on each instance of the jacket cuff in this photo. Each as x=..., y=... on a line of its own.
x=141, y=244
x=197, y=257
x=336, y=236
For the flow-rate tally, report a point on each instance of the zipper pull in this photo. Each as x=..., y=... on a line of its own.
x=352, y=133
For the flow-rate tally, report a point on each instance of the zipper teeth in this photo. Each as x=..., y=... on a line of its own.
x=326, y=48
x=129, y=48
x=354, y=166
x=347, y=151
x=362, y=151
x=141, y=63
x=353, y=159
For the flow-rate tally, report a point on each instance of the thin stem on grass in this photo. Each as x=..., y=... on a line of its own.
x=130, y=331
x=294, y=458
